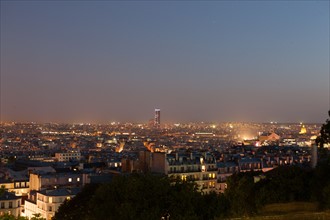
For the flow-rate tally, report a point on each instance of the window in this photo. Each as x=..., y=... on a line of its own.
x=10, y=205
x=50, y=209
x=70, y=180
x=78, y=179
x=2, y=205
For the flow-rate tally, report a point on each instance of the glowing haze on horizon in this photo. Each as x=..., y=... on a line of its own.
x=86, y=61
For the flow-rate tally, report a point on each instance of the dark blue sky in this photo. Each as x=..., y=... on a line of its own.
x=84, y=61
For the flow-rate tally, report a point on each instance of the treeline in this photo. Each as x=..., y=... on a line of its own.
x=153, y=197
x=284, y=184
x=7, y=216
x=141, y=197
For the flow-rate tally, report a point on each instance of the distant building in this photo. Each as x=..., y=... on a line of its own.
x=157, y=118
x=198, y=167
x=269, y=137
x=129, y=165
x=10, y=204
x=72, y=155
x=250, y=164
x=15, y=181
x=225, y=170
x=41, y=180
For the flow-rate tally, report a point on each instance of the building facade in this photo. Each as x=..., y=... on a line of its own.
x=72, y=155
x=47, y=202
x=10, y=204
x=40, y=180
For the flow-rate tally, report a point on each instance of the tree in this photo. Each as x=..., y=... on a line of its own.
x=6, y=216
x=283, y=184
x=2, y=189
x=241, y=194
x=37, y=216
x=326, y=196
x=78, y=207
x=144, y=197
x=324, y=137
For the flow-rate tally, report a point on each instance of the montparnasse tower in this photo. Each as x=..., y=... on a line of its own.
x=157, y=118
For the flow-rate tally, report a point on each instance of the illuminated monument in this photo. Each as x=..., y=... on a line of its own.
x=303, y=130
x=157, y=118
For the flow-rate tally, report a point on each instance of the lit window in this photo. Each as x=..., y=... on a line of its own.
x=78, y=179
x=70, y=180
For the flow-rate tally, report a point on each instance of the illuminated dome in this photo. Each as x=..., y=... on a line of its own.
x=303, y=130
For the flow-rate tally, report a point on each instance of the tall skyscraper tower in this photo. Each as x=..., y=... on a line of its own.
x=157, y=118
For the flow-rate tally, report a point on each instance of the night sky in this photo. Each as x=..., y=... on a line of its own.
x=84, y=61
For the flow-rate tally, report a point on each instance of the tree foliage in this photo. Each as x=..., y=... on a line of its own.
x=240, y=194
x=284, y=184
x=37, y=216
x=78, y=206
x=324, y=137
x=151, y=197
x=7, y=216
x=141, y=197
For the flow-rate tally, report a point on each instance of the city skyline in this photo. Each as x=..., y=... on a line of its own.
x=211, y=61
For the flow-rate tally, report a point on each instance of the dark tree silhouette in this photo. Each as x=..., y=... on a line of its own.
x=324, y=137
x=144, y=197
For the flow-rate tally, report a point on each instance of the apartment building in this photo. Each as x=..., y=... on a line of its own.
x=47, y=202
x=70, y=155
x=10, y=204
